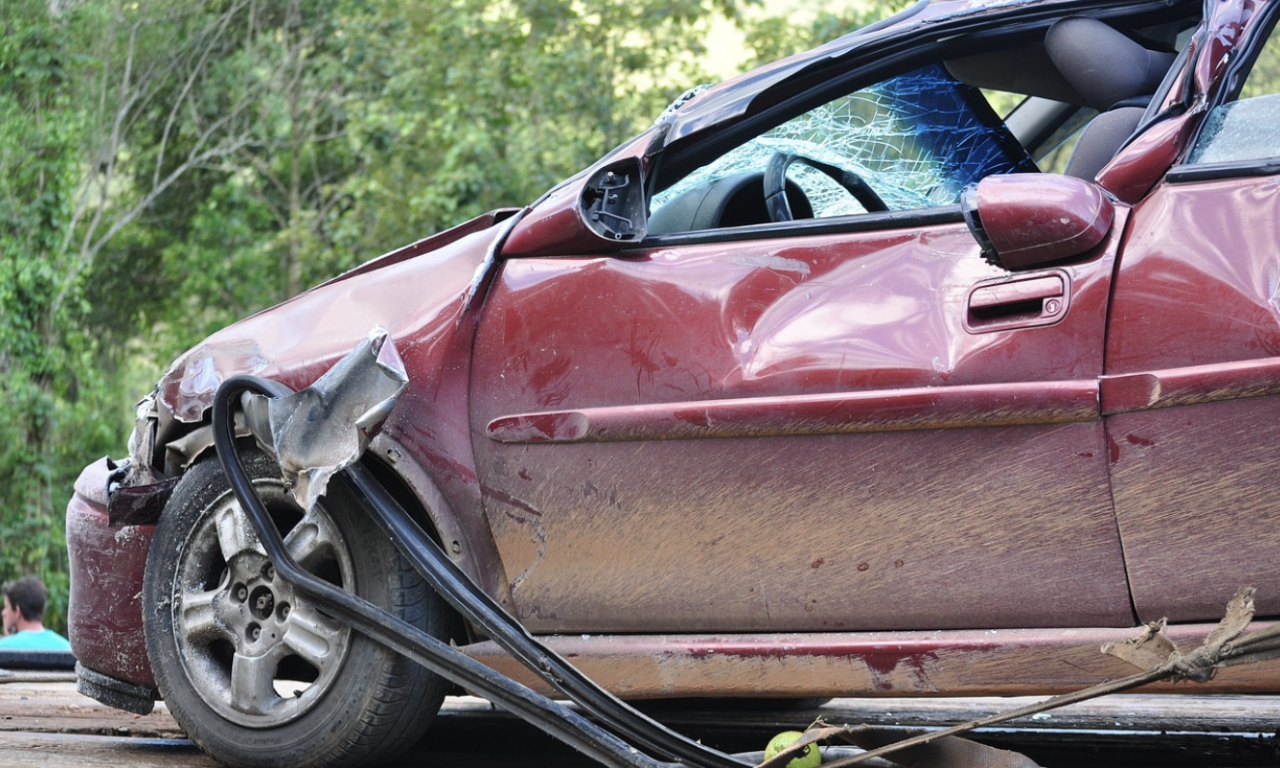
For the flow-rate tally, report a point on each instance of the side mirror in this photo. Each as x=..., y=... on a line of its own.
x=599, y=212
x=1027, y=220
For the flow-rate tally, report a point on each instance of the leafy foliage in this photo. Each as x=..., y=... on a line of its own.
x=773, y=37
x=461, y=106
x=42, y=351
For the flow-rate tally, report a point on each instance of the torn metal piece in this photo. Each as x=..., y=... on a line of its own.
x=319, y=431
x=142, y=444
x=139, y=504
x=490, y=259
x=137, y=490
x=181, y=453
x=200, y=381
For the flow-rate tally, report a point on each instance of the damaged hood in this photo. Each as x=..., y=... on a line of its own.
x=418, y=292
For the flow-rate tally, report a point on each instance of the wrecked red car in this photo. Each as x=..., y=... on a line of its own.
x=834, y=382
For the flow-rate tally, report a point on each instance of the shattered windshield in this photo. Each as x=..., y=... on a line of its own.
x=917, y=139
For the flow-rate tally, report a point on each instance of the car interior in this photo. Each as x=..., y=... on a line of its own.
x=1080, y=93
x=1083, y=63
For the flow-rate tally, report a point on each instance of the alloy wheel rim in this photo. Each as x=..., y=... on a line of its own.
x=257, y=653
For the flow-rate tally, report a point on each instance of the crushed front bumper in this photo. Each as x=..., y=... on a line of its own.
x=104, y=616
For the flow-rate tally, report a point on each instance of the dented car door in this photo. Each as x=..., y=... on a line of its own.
x=845, y=421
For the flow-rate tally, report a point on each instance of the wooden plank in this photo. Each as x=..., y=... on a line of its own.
x=40, y=750
x=58, y=708
x=44, y=724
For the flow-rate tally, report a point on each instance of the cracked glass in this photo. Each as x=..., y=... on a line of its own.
x=916, y=139
x=1247, y=129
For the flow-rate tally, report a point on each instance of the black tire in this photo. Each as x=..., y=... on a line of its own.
x=257, y=678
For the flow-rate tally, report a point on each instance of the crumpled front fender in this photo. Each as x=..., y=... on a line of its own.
x=417, y=293
x=422, y=296
x=426, y=296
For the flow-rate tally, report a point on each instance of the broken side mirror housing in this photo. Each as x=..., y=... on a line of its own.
x=1028, y=220
x=602, y=211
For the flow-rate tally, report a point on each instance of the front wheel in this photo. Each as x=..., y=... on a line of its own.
x=253, y=672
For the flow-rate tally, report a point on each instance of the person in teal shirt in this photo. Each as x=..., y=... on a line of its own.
x=23, y=615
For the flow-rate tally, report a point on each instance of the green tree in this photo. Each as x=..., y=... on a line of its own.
x=212, y=165
x=118, y=122
x=268, y=144
x=43, y=371
x=461, y=106
x=772, y=37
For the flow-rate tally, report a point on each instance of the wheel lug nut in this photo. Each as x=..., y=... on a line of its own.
x=241, y=593
x=262, y=603
x=254, y=632
x=268, y=572
x=283, y=612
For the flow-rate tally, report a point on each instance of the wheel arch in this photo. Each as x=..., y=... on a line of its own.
x=466, y=539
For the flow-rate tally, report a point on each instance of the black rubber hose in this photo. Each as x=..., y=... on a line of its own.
x=394, y=633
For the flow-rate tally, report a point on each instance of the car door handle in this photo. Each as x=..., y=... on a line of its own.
x=1020, y=303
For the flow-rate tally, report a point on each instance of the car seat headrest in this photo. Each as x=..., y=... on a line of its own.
x=1104, y=65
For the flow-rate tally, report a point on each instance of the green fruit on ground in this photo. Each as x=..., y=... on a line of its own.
x=809, y=758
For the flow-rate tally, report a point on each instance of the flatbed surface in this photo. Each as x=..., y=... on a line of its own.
x=50, y=724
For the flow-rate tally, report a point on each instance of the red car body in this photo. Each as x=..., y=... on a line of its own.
x=844, y=456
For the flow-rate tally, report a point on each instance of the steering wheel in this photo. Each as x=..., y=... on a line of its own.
x=775, y=185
